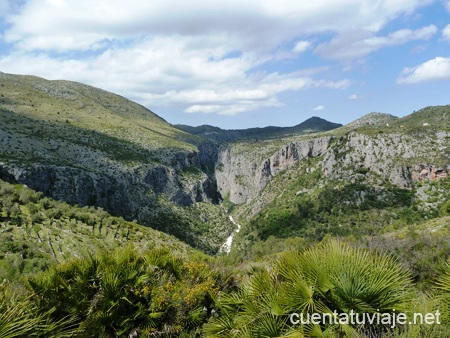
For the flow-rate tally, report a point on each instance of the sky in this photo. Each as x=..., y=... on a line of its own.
x=239, y=63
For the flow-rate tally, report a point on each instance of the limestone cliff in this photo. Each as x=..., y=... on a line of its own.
x=401, y=158
x=121, y=190
x=89, y=147
x=242, y=175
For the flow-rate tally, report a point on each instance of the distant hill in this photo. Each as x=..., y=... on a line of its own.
x=436, y=117
x=373, y=119
x=312, y=125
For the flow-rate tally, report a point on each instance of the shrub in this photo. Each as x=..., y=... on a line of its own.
x=326, y=278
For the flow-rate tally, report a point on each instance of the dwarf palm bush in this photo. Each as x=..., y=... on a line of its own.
x=443, y=288
x=327, y=278
x=123, y=293
x=21, y=317
x=16, y=320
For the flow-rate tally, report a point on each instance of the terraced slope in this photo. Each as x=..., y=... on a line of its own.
x=87, y=146
x=37, y=231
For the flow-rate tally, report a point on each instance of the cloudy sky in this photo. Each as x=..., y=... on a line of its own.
x=239, y=63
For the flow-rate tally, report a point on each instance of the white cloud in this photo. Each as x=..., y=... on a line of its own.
x=233, y=109
x=437, y=69
x=198, y=75
x=301, y=46
x=319, y=108
x=58, y=3
x=446, y=33
x=194, y=55
x=357, y=44
x=447, y=5
x=206, y=109
x=259, y=25
x=354, y=97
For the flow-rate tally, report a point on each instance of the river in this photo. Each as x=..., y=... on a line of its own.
x=226, y=247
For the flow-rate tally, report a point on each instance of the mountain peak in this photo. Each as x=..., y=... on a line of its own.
x=373, y=119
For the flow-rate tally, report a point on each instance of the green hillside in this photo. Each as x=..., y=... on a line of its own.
x=113, y=222
x=437, y=117
x=90, y=147
x=37, y=232
x=78, y=108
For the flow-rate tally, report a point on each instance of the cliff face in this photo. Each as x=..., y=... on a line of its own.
x=291, y=153
x=122, y=191
x=242, y=175
x=89, y=147
x=399, y=157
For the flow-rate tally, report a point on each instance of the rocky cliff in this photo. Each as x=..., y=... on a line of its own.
x=399, y=157
x=402, y=158
x=241, y=175
x=90, y=147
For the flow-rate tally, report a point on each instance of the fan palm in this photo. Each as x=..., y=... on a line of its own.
x=323, y=279
x=443, y=286
x=121, y=292
x=20, y=317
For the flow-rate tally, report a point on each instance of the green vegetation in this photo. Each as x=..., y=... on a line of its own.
x=157, y=293
x=21, y=316
x=357, y=221
x=117, y=293
x=327, y=278
x=114, y=289
x=355, y=209
x=37, y=231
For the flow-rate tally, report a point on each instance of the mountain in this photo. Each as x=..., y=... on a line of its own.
x=88, y=147
x=90, y=175
x=359, y=180
x=372, y=120
x=312, y=125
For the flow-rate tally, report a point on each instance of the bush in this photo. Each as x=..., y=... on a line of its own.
x=326, y=278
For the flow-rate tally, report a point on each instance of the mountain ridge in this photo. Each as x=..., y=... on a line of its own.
x=313, y=124
x=90, y=147
x=73, y=158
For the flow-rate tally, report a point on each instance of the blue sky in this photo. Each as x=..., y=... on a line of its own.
x=239, y=63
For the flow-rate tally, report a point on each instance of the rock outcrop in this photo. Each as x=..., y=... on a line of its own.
x=124, y=191
x=399, y=157
x=241, y=177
